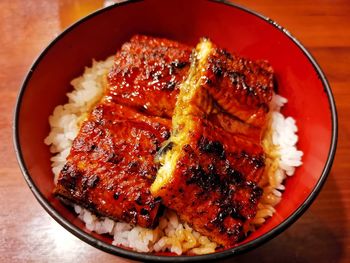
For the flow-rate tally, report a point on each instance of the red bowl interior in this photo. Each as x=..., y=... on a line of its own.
x=235, y=29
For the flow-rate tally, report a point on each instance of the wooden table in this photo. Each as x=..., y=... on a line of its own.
x=29, y=234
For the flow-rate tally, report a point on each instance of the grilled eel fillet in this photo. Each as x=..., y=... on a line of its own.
x=111, y=163
x=147, y=74
x=209, y=174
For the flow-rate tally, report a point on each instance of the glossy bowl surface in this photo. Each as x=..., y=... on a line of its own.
x=241, y=31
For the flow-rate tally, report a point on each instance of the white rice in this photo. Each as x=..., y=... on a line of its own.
x=171, y=234
x=66, y=119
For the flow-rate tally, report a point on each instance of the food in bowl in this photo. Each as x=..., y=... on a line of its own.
x=202, y=137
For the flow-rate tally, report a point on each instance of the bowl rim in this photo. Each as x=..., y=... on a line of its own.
x=150, y=257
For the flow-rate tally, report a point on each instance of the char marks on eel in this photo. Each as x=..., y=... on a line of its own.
x=209, y=171
x=111, y=163
x=147, y=74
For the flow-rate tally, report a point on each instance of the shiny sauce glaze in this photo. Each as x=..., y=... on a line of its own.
x=211, y=170
x=110, y=167
x=111, y=164
x=215, y=183
x=147, y=73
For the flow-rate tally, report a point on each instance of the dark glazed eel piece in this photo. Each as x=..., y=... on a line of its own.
x=210, y=174
x=111, y=164
x=147, y=73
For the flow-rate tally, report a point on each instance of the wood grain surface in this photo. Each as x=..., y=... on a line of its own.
x=29, y=234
